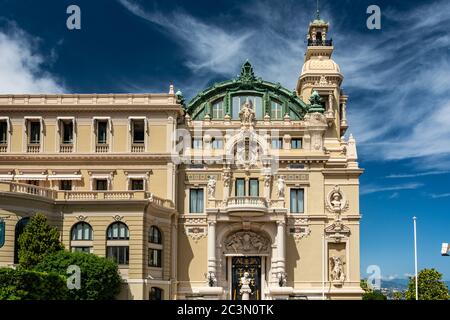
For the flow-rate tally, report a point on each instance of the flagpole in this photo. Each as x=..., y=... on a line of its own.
x=323, y=266
x=415, y=258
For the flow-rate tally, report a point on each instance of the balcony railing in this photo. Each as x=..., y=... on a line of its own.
x=320, y=43
x=32, y=190
x=66, y=148
x=3, y=147
x=60, y=195
x=137, y=147
x=33, y=147
x=246, y=206
x=101, y=148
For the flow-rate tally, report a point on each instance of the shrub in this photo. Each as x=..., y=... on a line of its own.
x=20, y=284
x=100, y=278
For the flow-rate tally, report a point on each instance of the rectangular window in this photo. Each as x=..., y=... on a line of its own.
x=254, y=187
x=120, y=254
x=102, y=129
x=3, y=132
x=35, y=132
x=217, y=143
x=276, y=111
x=137, y=184
x=297, y=200
x=240, y=187
x=296, y=143
x=154, y=258
x=65, y=185
x=217, y=110
x=277, y=143
x=101, y=184
x=67, y=131
x=197, y=143
x=138, y=131
x=196, y=200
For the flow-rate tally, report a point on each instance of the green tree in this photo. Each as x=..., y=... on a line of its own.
x=100, y=278
x=431, y=286
x=37, y=240
x=398, y=295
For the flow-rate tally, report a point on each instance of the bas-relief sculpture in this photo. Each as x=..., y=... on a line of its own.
x=337, y=269
x=247, y=242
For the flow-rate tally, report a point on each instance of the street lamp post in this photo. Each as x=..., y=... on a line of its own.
x=415, y=258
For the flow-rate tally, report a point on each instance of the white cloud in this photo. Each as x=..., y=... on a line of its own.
x=369, y=189
x=438, y=196
x=415, y=175
x=21, y=66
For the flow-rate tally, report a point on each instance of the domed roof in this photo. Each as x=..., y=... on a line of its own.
x=322, y=65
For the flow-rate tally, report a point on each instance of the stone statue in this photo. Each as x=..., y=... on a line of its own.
x=247, y=114
x=337, y=269
x=245, y=286
x=267, y=180
x=226, y=179
x=336, y=202
x=280, y=186
x=211, y=187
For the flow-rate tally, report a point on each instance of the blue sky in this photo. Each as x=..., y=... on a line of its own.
x=398, y=79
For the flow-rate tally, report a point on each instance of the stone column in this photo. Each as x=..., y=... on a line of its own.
x=330, y=102
x=212, y=247
x=281, y=239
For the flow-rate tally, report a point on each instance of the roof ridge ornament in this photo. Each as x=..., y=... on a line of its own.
x=247, y=74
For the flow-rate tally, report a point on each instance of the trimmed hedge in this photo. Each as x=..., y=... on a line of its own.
x=20, y=284
x=100, y=278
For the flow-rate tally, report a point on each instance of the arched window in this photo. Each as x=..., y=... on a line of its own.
x=20, y=227
x=155, y=249
x=82, y=231
x=117, y=247
x=155, y=235
x=155, y=293
x=81, y=237
x=118, y=231
x=238, y=101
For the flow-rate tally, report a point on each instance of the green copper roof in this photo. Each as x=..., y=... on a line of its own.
x=246, y=84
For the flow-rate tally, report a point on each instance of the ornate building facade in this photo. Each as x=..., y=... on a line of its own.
x=249, y=191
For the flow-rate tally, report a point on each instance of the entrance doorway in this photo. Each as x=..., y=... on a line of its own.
x=240, y=265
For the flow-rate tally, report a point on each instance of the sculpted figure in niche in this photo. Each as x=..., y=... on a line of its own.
x=226, y=179
x=280, y=186
x=211, y=187
x=337, y=269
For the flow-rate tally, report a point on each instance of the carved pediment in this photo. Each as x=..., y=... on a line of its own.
x=337, y=231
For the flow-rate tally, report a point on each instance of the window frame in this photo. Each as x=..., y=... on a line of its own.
x=295, y=209
x=296, y=140
x=152, y=262
x=236, y=187
x=201, y=202
x=154, y=230
x=275, y=108
x=278, y=146
x=85, y=226
x=116, y=257
x=111, y=237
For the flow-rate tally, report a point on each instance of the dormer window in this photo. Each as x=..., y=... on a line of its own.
x=276, y=111
x=256, y=102
x=217, y=110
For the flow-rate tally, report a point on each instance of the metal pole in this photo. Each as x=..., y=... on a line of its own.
x=415, y=258
x=323, y=266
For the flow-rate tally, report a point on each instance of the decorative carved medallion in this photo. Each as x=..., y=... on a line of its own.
x=336, y=202
x=246, y=242
x=299, y=228
x=81, y=218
